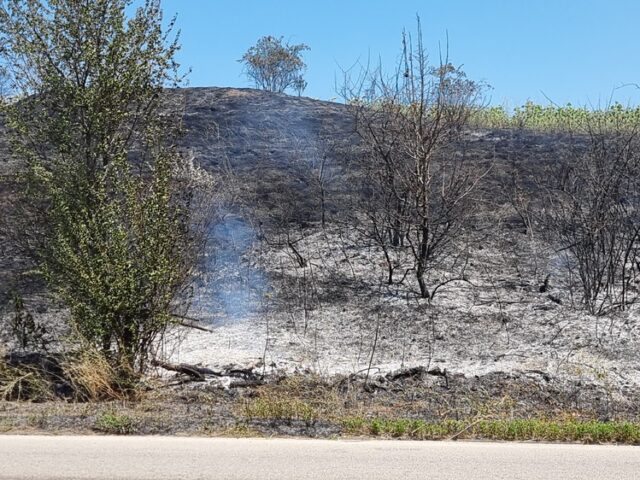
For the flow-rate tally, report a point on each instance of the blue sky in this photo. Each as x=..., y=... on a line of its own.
x=575, y=51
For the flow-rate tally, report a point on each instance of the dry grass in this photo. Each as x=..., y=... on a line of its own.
x=24, y=382
x=305, y=398
x=237, y=431
x=295, y=397
x=84, y=375
x=307, y=405
x=279, y=408
x=93, y=378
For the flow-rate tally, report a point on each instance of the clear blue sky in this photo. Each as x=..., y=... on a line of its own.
x=575, y=51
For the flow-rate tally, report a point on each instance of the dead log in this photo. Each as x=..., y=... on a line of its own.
x=192, y=323
x=193, y=371
x=200, y=373
x=246, y=373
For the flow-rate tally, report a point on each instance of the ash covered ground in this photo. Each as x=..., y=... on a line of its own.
x=282, y=291
x=323, y=318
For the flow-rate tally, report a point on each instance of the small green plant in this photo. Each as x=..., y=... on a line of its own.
x=114, y=423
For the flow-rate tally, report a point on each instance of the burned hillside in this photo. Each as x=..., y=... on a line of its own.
x=295, y=280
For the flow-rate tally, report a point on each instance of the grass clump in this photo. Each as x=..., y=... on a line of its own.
x=114, y=423
x=514, y=430
x=83, y=375
x=279, y=408
x=24, y=382
x=94, y=378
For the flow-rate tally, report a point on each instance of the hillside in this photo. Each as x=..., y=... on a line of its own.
x=286, y=293
x=253, y=128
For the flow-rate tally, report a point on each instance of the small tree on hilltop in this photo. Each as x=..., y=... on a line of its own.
x=276, y=66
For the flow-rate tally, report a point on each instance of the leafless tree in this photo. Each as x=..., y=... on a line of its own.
x=417, y=190
x=594, y=215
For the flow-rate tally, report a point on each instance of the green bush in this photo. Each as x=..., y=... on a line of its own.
x=109, y=198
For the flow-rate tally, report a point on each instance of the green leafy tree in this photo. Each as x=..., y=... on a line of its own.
x=111, y=199
x=276, y=66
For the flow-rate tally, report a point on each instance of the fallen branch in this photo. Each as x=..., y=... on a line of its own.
x=455, y=436
x=403, y=374
x=200, y=373
x=192, y=323
x=194, y=371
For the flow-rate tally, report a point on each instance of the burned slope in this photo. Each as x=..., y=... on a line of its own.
x=278, y=155
x=253, y=129
x=270, y=147
x=280, y=150
x=273, y=146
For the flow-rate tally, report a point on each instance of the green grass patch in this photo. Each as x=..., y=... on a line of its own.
x=515, y=430
x=279, y=408
x=114, y=423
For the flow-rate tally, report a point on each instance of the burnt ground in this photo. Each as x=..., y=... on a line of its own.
x=508, y=349
x=319, y=406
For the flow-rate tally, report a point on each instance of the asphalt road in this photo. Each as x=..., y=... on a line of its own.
x=114, y=458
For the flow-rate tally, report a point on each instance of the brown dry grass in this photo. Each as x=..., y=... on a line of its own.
x=93, y=378
x=24, y=382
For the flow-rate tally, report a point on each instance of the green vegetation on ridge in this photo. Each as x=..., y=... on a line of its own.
x=557, y=118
